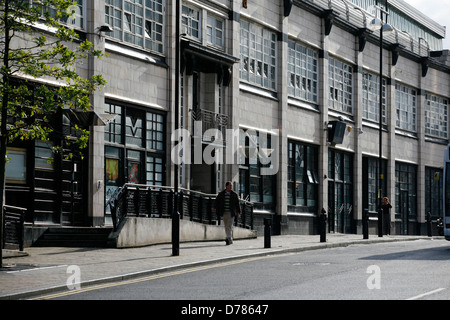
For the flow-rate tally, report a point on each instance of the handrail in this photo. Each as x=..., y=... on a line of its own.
x=153, y=201
x=13, y=227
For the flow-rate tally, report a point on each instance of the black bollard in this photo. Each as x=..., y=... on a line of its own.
x=323, y=225
x=267, y=232
x=380, y=223
x=365, y=224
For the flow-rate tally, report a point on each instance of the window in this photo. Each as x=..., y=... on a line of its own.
x=16, y=169
x=191, y=21
x=303, y=72
x=303, y=177
x=433, y=191
x=258, y=55
x=134, y=147
x=436, y=116
x=371, y=182
x=341, y=86
x=113, y=131
x=73, y=17
x=254, y=186
x=215, y=32
x=340, y=191
x=138, y=22
x=405, y=191
x=406, y=108
x=370, y=97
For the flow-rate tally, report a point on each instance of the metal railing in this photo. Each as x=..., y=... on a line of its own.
x=13, y=227
x=135, y=200
x=211, y=120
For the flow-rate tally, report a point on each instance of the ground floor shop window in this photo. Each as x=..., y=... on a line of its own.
x=134, y=147
x=303, y=178
x=433, y=191
x=405, y=195
x=371, y=183
x=340, y=192
x=253, y=186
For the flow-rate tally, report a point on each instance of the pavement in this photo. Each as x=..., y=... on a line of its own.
x=46, y=270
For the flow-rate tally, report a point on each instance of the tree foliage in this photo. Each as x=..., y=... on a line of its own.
x=38, y=49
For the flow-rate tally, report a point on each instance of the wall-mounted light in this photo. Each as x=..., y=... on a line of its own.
x=104, y=29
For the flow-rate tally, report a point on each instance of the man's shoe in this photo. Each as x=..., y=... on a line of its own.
x=227, y=242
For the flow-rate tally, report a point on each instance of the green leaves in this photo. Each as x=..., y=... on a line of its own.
x=37, y=45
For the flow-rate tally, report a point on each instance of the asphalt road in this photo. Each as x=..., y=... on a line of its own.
x=386, y=271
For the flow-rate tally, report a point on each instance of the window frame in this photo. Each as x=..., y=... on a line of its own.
x=258, y=66
x=406, y=111
x=370, y=97
x=303, y=64
x=340, y=83
x=304, y=174
x=146, y=28
x=436, y=116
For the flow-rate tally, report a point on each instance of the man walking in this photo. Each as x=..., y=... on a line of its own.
x=227, y=206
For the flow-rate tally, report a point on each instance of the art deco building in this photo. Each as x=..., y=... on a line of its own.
x=299, y=80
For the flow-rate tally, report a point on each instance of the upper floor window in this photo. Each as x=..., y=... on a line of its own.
x=215, y=31
x=406, y=107
x=191, y=21
x=341, y=86
x=370, y=97
x=258, y=55
x=137, y=23
x=436, y=116
x=74, y=15
x=303, y=75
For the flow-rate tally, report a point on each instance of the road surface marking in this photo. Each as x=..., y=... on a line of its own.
x=426, y=294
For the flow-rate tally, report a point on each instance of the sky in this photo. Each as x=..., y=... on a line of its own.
x=439, y=11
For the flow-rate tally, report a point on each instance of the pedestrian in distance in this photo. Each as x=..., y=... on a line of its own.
x=386, y=207
x=227, y=206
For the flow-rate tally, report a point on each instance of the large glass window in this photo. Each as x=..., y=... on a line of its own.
x=436, y=116
x=433, y=191
x=258, y=55
x=74, y=15
x=138, y=22
x=16, y=168
x=254, y=186
x=191, y=21
x=134, y=147
x=341, y=86
x=303, y=177
x=406, y=107
x=371, y=183
x=215, y=31
x=370, y=97
x=340, y=191
x=406, y=190
x=303, y=75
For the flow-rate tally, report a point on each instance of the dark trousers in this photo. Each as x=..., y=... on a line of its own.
x=386, y=223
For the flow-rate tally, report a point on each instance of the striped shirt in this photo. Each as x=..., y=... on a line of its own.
x=227, y=203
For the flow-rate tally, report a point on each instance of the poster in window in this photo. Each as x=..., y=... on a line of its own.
x=133, y=172
x=112, y=171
